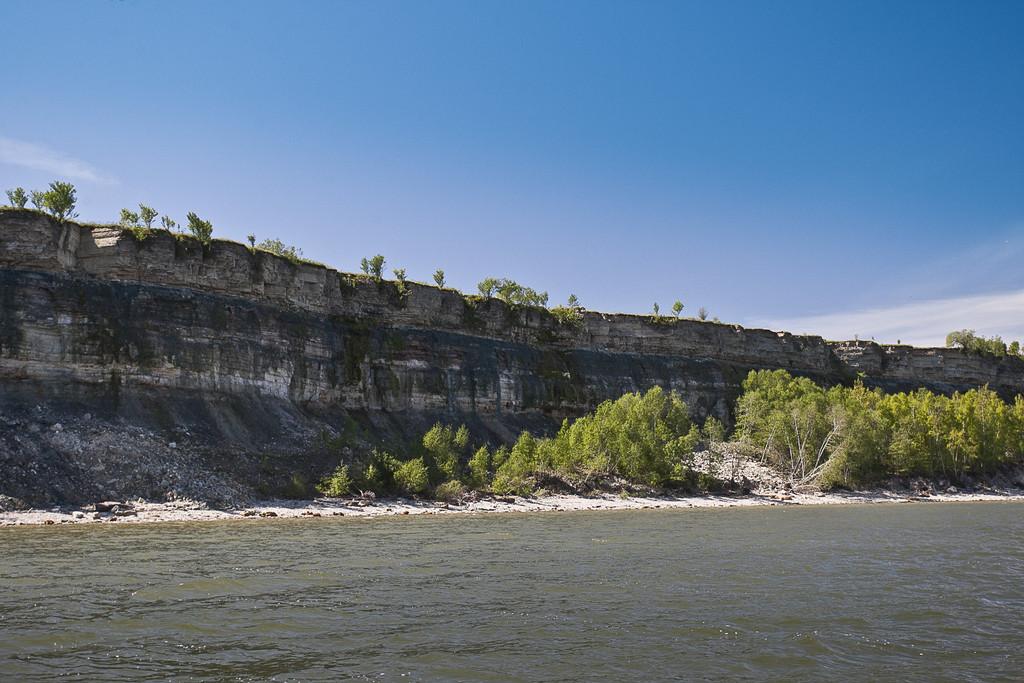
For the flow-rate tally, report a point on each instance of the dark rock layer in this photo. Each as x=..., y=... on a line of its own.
x=263, y=373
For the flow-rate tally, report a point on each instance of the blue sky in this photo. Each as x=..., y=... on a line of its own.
x=833, y=167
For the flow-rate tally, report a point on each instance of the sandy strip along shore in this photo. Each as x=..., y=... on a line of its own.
x=135, y=512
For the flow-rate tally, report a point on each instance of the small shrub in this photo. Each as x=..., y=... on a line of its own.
x=374, y=267
x=702, y=313
x=38, y=199
x=60, y=201
x=451, y=492
x=375, y=473
x=130, y=222
x=499, y=458
x=507, y=484
x=276, y=246
x=439, y=278
x=200, y=229
x=147, y=215
x=707, y=482
x=297, y=488
x=411, y=476
x=337, y=484
x=479, y=469
x=374, y=478
x=713, y=431
x=17, y=197
x=512, y=293
x=445, y=447
x=129, y=219
x=677, y=308
x=570, y=315
x=400, y=284
x=168, y=224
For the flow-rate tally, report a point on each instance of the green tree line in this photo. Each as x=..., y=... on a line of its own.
x=856, y=436
x=834, y=437
x=971, y=342
x=646, y=439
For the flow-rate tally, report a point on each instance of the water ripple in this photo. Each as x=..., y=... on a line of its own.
x=801, y=594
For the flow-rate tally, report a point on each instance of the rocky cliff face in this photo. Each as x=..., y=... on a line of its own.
x=262, y=372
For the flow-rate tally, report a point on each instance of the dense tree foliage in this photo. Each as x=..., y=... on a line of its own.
x=851, y=436
x=642, y=438
x=976, y=343
x=837, y=437
x=412, y=476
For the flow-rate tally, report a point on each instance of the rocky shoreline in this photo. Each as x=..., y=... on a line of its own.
x=136, y=512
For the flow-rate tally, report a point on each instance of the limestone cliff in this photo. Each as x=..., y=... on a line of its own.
x=260, y=371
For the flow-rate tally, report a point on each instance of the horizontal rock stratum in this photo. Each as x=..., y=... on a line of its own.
x=163, y=367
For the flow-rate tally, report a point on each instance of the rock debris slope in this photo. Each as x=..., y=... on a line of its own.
x=166, y=368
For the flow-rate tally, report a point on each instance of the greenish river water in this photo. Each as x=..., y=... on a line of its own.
x=925, y=592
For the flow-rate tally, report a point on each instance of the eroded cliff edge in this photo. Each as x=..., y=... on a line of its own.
x=166, y=367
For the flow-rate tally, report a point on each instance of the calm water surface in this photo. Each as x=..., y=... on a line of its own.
x=923, y=592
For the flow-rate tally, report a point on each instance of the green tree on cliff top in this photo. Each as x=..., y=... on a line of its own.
x=18, y=197
x=374, y=267
x=147, y=215
x=200, y=229
x=129, y=219
x=60, y=200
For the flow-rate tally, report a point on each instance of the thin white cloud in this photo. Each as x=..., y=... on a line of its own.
x=923, y=323
x=38, y=158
